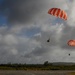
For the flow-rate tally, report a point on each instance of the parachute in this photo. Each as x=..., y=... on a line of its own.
x=71, y=42
x=58, y=13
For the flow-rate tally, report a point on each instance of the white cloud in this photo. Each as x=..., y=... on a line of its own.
x=71, y=14
x=10, y=39
x=14, y=51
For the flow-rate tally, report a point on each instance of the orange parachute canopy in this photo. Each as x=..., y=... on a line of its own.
x=58, y=13
x=71, y=42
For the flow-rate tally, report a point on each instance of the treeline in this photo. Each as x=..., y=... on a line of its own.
x=45, y=66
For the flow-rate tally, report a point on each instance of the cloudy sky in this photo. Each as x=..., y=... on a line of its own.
x=25, y=27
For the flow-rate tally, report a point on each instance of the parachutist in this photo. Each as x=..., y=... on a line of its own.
x=48, y=40
x=69, y=54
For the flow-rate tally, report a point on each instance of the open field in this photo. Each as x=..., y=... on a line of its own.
x=22, y=72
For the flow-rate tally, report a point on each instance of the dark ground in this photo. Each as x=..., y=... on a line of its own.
x=19, y=72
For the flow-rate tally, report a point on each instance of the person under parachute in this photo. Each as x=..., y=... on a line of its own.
x=71, y=43
x=69, y=54
x=48, y=40
x=57, y=12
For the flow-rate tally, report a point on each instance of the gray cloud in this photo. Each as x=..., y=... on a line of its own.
x=22, y=10
x=16, y=46
x=26, y=11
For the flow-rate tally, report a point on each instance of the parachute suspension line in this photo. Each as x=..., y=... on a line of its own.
x=67, y=2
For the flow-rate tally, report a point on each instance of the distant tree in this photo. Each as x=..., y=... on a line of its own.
x=46, y=63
